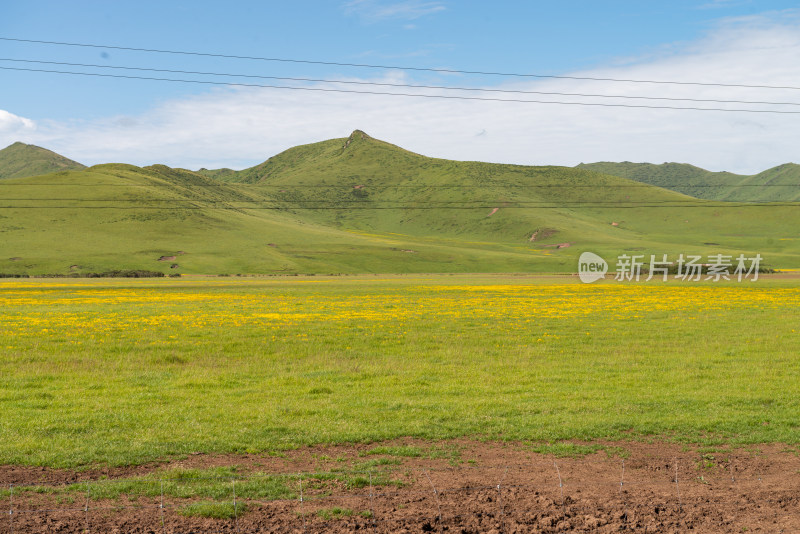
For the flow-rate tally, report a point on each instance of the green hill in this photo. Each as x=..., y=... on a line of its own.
x=363, y=184
x=20, y=160
x=357, y=204
x=360, y=183
x=124, y=217
x=780, y=184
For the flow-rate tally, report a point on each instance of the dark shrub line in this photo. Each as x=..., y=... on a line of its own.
x=118, y=273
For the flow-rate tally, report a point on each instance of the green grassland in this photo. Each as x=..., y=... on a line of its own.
x=222, y=492
x=118, y=372
x=778, y=184
x=360, y=205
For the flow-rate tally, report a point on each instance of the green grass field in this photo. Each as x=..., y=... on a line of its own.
x=118, y=372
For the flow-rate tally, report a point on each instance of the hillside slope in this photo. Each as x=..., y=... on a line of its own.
x=118, y=216
x=357, y=204
x=779, y=184
x=363, y=184
x=20, y=160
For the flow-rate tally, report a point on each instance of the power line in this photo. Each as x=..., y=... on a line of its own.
x=232, y=185
x=227, y=205
x=413, y=95
x=403, y=85
x=395, y=67
x=494, y=203
x=351, y=208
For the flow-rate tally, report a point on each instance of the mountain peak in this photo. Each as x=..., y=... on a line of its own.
x=20, y=160
x=357, y=135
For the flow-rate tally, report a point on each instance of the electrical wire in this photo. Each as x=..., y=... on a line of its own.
x=374, y=208
x=5, y=183
x=403, y=85
x=395, y=67
x=357, y=202
x=349, y=205
x=413, y=95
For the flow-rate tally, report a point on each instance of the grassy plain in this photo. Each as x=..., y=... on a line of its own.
x=119, y=372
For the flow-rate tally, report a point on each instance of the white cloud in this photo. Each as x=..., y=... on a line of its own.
x=13, y=127
x=378, y=10
x=238, y=127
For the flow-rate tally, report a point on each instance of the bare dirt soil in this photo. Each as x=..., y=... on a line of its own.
x=456, y=486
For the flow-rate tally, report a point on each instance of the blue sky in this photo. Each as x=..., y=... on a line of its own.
x=102, y=119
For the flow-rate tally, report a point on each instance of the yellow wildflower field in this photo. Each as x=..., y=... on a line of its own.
x=129, y=370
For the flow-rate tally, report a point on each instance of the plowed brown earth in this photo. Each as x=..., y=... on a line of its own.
x=480, y=487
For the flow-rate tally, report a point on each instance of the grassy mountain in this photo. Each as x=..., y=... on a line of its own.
x=780, y=184
x=361, y=183
x=120, y=216
x=20, y=160
x=358, y=204
x=367, y=185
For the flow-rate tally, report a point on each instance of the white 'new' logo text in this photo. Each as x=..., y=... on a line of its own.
x=591, y=267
